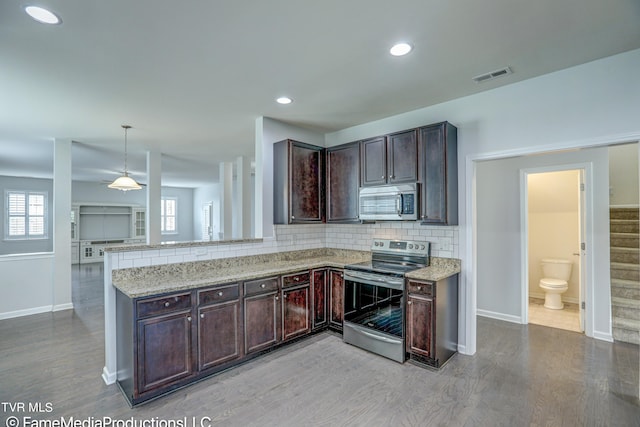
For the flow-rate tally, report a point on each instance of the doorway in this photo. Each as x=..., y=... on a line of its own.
x=554, y=227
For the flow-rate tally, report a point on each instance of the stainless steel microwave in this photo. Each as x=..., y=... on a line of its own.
x=389, y=202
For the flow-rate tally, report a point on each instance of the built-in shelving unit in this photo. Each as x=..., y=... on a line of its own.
x=96, y=226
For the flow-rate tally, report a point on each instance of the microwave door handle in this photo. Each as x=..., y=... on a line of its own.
x=399, y=204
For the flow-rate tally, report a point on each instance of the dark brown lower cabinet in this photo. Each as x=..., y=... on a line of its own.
x=432, y=320
x=419, y=325
x=296, y=311
x=261, y=314
x=164, y=350
x=155, y=344
x=336, y=289
x=168, y=341
x=319, y=298
x=218, y=334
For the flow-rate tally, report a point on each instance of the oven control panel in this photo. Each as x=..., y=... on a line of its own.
x=405, y=247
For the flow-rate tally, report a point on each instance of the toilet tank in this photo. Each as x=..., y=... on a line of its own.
x=556, y=268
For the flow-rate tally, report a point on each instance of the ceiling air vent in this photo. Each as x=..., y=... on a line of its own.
x=492, y=75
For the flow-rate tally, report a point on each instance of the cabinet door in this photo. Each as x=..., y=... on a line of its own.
x=373, y=161
x=402, y=157
x=336, y=286
x=319, y=296
x=295, y=312
x=164, y=350
x=343, y=181
x=420, y=325
x=138, y=226
x=305, y=183
x=440, y=174
x=261, y=321
x=218, y=334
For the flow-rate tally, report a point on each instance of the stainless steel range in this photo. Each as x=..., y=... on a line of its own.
x=374, y=296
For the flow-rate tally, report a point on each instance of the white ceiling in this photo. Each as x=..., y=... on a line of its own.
x=192, y=77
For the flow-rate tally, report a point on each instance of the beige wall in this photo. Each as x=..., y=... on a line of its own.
x=554, y=226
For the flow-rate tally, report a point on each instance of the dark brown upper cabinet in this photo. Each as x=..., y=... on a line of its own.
x=439, y=174
x=390, y=159
x=343, y=181
x=298, y=183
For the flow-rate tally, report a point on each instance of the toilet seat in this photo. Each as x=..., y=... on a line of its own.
x=553, y=283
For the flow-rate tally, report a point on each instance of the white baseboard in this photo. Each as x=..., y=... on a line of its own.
x=462, y=349
x=499, y=316
x=60, y=307
x=108, y=377
x=603, y=336
x=26, y=312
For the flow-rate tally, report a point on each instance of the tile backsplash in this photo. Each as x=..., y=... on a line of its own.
x=444, y=243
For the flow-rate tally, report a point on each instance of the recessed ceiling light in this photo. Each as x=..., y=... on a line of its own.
x=284, y=100
x=42, y=15
x=400, y=49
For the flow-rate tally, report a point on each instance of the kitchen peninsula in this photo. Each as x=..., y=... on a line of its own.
x=179, y=322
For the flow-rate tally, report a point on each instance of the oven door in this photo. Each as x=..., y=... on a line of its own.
x=374, y=313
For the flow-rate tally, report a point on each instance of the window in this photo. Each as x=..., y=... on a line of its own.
x=168, y=211
x=26, y=215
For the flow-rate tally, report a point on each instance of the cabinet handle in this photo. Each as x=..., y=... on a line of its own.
x=189, y=318
x=263, y=286
x=277, y=298
x=408, y=302
x=220, y=293
x=391, y=177
x=202, y=316
x=296, y=278
x=293, y=217
x=419, y=288
x=166, y=304
x=382, y=177
x=284, y=296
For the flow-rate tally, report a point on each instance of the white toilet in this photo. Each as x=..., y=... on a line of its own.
x=554, y=282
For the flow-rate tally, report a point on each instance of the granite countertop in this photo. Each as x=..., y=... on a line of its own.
x=173, y=245
x=440, y=268
x=155, y=280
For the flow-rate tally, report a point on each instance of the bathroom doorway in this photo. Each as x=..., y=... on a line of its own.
x=554, y=223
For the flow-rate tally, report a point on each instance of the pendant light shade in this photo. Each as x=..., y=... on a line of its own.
x=125, y=182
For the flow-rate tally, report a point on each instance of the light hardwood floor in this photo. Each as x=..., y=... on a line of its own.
x=520, y=376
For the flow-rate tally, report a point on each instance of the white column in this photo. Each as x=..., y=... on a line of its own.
x=258, y=194
x=242, y=213
x=226, y=202
x=154, y=196
x=62, y=225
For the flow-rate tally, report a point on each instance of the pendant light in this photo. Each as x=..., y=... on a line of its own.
x=125, y=182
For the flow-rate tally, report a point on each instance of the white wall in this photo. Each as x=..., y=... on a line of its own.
x=500, y=236
x=95, y=192
x=184, y=214
x=201, y=196
x=591, y=104
x=623, y=174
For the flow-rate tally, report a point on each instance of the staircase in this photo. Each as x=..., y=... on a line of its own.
x=625, y=274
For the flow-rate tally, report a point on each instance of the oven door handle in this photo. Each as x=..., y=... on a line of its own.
x=367, y=279
x=399, y=204
x=377, y=337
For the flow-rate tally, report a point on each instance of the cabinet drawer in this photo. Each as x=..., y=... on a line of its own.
x=219, y=294
x=260, y=286
x=295, y=279
x=166, y=304
x=421, y=288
